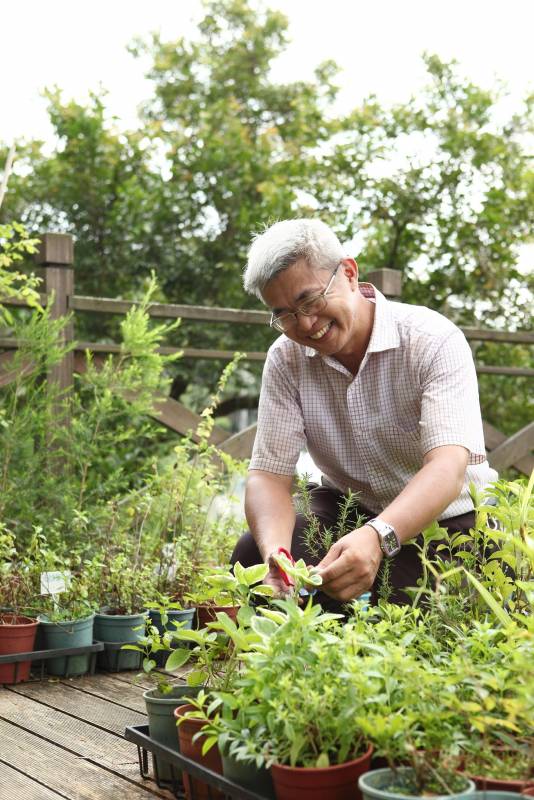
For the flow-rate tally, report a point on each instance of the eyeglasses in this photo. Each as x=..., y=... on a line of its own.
x=313, y=305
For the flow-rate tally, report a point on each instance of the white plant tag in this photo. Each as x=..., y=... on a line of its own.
x=54, y=582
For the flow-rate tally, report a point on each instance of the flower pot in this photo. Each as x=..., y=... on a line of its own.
x=194, y=788
x=386, y=784
x=183, y=616
x=528, y=792
x=495, y=796
x=162, y=723
x=208, y=613
x=119, y=629
x=487, y=783
x=17, y=635
x=338, y=782
x=72, y=633
x=248, y=775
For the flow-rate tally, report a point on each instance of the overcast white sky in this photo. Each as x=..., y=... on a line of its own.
x=378, y=44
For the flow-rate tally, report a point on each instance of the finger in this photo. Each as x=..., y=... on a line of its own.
x=336, y=569
x=334, y=553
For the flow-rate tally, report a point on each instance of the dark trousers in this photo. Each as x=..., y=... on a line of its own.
x=406, y=566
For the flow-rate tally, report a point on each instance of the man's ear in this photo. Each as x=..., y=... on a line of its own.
x=350, y=268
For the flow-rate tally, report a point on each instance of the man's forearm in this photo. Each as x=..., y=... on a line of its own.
x=269, y=510
x=428, y=494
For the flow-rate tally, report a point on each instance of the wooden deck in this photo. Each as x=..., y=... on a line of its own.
x=64, y=738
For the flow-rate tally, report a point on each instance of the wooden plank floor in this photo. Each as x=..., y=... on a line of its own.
x=64, y=738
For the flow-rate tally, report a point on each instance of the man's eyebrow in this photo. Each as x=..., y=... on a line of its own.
x=302, y=296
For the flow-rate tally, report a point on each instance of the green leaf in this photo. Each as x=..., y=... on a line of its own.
x=323, y=761
x=177, y=659
x=149, y=664
x=254, y=574
x=197, y=677
x=490, y=601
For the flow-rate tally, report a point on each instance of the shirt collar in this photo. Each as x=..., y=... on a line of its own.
x=385, y=335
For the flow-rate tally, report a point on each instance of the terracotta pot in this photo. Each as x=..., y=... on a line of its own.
x=17, y=635
x=207, y=614
x=339, y=782
x=486, y=783
x=195, y=788
x=528, y=792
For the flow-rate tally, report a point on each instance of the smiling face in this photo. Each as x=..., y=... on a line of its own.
x=342, y=328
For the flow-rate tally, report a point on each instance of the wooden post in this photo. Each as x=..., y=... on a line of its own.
x=56, y=255
x=388, y=281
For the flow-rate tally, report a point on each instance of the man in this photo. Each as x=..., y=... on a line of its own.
x=384, y=396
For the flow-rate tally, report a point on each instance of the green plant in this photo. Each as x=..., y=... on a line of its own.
x=317, y=537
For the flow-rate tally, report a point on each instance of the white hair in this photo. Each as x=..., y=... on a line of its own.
x=286, y=242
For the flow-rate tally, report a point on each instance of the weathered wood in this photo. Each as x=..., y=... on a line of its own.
x=92, y=744
x=8, y=374
x=17, y=786
x=63, y=771
x=487, y=335
x=56, y=249
x=515, y=447
x=178, y=418
x=93, y=709
x=187, y=352
x=388, y=281
x=107, y=687
x=494, y=437
x=517, y=372
x=240, y=444
x=23, y=303
x=106, y=305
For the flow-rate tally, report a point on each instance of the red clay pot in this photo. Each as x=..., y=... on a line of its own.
x=17, y=635
x=487, y=784
x=193, y=750
x=339, y=782
x=207, y=614
x=528, y=792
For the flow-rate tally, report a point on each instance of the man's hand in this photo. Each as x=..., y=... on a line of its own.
x=350, y=566
x=274, y=579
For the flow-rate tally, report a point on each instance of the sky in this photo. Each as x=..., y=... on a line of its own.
x=378, y=44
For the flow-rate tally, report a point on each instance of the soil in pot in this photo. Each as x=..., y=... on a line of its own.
x=162, y=722
x=388, y=784
x=338, y=782
x=119, y=629
x=17, y=635
x=195, y=788
x=72, y=633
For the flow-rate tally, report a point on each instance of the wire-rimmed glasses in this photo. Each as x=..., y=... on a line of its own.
x=313, y=305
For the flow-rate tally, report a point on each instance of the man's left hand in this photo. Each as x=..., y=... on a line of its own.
x=350, y=566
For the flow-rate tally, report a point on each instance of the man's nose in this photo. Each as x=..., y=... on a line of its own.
x=305, y=322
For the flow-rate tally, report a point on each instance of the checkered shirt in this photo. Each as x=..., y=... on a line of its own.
x=416, y=389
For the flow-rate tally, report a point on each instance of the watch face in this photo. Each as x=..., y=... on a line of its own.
x=390, y=542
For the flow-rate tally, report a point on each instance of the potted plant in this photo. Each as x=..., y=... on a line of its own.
x=120, y=583
x=17, y=630
x=67, y=621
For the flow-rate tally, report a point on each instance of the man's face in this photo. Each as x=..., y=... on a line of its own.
x=333, y=330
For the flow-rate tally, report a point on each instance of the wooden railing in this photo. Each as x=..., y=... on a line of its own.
x=56, y=256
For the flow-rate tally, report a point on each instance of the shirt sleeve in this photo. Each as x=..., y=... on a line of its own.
x=450, y=409
x=280, y=433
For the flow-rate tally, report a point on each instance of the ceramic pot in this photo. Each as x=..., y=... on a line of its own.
x=17, y=635
x=207, y=614
x=338, y=782
x=195, y=788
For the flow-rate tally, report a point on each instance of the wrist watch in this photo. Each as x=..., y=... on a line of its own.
x=387, y=537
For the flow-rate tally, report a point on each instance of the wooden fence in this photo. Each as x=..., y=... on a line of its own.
x=56, y=257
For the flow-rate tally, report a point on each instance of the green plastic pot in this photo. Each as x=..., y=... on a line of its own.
x=375, y=786
x=248, y=775
x=162, y=723
x=72, y=633
x=117, y=629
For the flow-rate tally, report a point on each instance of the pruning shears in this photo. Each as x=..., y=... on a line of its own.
x=287, y=579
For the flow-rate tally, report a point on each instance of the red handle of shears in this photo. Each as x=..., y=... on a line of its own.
x=285, y=577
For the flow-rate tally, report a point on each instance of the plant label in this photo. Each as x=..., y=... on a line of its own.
x=54, y=582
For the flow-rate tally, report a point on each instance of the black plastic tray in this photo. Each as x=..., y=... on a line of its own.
x=139, y=735
x=45, y=655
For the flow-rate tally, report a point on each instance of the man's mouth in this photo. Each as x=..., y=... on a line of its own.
x=323, y=331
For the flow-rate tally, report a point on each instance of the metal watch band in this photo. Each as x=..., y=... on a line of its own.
x=387, y=537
